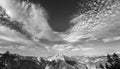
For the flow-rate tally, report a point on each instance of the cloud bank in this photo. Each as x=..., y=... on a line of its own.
x=102, y=23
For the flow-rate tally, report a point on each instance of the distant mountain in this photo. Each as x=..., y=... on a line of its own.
x=58, y=61
x=15, y=61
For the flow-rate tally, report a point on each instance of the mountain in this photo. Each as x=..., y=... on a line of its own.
x=15, y=61
x=58, y=61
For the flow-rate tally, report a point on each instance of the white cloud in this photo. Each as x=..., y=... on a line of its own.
x=67, y=48
x=62, y=47
x=96, y=26
x=48, y=48
x=7, y=47
x=81, y=48
x=34, y=19
x=75, y=49
x=7, y=38
x=22, y=47
x=111, y=39
x=86, y=49
x=117, y=38
x=37, y=26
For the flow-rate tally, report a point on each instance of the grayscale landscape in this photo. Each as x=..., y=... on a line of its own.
x=63, y=34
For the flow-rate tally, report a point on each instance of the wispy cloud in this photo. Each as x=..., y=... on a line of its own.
x=67, y=48
x=62, y=47
x=75, y=49
x=7, y=38
x=86, y=49
x=7, y=47
x=81, y=48
x=111, y=39
x=32, y=16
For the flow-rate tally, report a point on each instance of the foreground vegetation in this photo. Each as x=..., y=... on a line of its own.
x=113, y=62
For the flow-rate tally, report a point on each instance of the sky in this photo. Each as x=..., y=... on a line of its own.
x=69, y=27
x=60, y=12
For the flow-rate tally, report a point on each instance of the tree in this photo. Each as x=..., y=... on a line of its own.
x=101, y=66
x=113, y=62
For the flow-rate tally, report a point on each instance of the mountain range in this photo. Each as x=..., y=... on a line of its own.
x=58, y=61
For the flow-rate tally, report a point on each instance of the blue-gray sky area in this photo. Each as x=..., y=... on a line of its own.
x=70, y=27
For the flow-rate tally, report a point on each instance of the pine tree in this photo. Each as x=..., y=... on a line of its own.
x=113, y=62
x=101, y=66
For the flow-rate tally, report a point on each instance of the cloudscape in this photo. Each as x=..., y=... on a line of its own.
x=45, y=28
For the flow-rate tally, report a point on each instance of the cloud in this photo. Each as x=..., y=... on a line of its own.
x=62, y=47
x=87, y=27
x=75, y=49
x=7, y=47
x=86, y=49
x=103, y=24
x=32, y=16
x=11, y=36
x=7, y=38
x=111, y=39
x=22, y=47
x=81, y=48
x=48, y=48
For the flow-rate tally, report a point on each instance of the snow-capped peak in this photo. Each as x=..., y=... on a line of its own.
x=56, y=57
